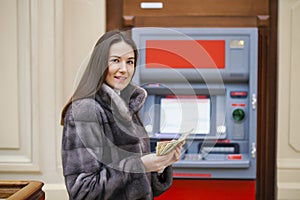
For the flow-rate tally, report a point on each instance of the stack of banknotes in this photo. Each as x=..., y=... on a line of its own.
x=165, y=147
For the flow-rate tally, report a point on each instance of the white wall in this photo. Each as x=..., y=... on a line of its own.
x=288, y=145
x=42, y=45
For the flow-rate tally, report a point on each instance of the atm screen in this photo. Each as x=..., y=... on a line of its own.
x=178, y=115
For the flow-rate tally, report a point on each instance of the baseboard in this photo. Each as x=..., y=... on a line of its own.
x=288, y=191
x=55, y=191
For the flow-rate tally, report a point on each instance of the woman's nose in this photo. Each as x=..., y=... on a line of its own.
x=123, y=66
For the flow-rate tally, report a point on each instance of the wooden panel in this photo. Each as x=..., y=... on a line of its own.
x=189, y=21
x=267, y=106
x=199, y=7
x=180, y=13
x=193, y=13
x=114, y=13
x=18, y=190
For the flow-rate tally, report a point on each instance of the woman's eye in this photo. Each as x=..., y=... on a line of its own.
x=115, y=60
x=130, y=62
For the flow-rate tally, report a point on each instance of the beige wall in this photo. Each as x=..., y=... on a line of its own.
x=43, y=43
x=288, y=151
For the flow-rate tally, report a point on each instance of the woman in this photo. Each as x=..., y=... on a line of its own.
x=105, y=148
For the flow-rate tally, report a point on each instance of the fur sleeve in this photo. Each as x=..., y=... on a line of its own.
x=161, y=183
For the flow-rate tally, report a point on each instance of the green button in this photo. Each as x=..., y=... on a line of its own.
x=238, y=115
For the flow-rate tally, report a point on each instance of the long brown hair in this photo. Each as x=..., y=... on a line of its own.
x=96, y=70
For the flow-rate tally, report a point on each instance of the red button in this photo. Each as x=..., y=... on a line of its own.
x=238, y=94
x=238, y=105
x=234, y=157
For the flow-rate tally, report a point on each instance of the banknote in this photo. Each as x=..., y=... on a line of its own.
x=165, y=147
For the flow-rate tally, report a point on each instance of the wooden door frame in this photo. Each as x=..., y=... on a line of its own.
x=267, y=93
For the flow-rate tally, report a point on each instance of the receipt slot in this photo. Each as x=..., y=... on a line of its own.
x=204, y=80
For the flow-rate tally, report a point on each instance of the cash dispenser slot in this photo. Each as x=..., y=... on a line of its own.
x=218, y=155
x=219, y=148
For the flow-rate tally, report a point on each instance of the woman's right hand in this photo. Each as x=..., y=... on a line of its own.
x=154, y=163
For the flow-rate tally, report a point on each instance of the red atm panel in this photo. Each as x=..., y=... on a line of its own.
x=185, y=54
x=188, y=189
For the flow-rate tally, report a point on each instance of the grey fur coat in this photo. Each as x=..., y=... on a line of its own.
x=103, y=141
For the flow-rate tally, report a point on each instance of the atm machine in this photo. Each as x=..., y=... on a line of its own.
x=202, y=80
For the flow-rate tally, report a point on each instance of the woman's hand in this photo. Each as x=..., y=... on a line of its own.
x=154, y=163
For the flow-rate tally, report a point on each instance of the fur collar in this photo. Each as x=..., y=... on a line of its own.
x=130, y=101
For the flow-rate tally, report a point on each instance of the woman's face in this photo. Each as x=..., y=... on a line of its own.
x=120, y=65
